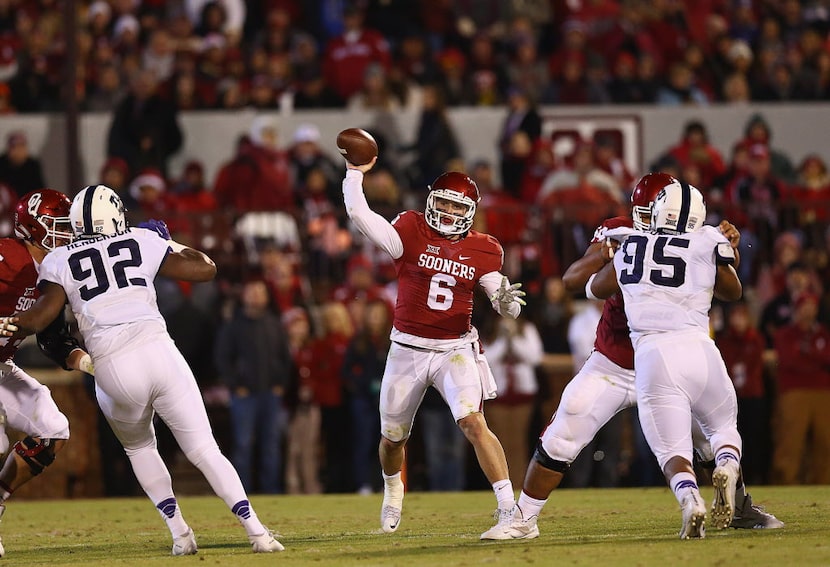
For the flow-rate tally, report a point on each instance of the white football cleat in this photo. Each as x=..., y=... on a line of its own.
x=390, y=511
x=724, y=479
x=265, y=543
x=185, y=544
x=693, y=511
x=510, y=524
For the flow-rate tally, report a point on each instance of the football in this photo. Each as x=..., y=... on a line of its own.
x=357, y=146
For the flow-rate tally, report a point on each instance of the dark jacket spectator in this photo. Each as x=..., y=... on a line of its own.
x=18, y=169
x=144, y=130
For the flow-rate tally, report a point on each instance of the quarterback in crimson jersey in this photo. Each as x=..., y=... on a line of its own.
x=41, y=222
x=439, y=261
x=604, y=386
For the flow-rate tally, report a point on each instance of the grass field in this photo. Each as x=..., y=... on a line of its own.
x=579, y=527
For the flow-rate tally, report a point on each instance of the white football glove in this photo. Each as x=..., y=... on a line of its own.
x=507, y=294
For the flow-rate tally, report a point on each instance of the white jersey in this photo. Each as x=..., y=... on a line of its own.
x=668, y=281
x=109, y=283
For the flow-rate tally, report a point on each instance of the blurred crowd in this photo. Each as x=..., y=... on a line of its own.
x=228, y=54
x=291, y=338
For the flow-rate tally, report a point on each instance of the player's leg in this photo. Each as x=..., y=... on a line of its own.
x=666, y=420
x=30, y=409
x=600, y=390
x=27, y=406
x=715, y=407
x=132, y=424
x=747, y=514
x=401, y=392
x=455, y=375
x=179, y=403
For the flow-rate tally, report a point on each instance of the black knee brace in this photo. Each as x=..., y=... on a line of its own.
x=541, y=457
x=37, y=453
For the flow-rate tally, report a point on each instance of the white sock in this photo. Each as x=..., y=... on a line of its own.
x=724, y=456
x=169, y=510
x=530, y=507
x=392, y=484
x=504, y=494
x=682, y=484
x=244, y=512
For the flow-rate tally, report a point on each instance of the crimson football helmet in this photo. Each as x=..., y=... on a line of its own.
x=458, y=188
x=643, y=195
x=42, y=218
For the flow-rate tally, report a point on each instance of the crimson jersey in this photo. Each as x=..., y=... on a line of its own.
x=18, y=276
x=437, y=276
x=613, y=339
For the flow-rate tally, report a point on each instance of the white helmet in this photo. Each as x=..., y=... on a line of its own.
x=97, y=211
x=678, y=209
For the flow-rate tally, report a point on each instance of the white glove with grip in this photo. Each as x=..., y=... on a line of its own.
x=506, y=295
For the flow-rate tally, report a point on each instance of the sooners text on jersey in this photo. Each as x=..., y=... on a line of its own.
x=18, y=275
x=437, y=276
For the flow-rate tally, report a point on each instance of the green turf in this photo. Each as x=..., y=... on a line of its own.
x=579, y=527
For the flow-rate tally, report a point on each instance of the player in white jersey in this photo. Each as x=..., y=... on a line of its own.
x=667, y=278
x=107, y=276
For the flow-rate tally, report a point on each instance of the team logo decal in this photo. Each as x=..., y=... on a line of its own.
x=433, y=249
x=34, y=203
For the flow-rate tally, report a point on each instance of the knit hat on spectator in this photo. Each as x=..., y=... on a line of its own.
x=116, y=163
x=149, y=177
x=99, y=8
x=125, y=23
x=293, y=315
x=306, y=133
x=9, y=46
x=759, y=151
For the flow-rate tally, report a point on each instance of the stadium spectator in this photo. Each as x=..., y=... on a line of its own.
x=363, y=365
x=336, y=331
x=754, y=200
x=149, y=192
x=809, y=198
x=435, y=143
x=258, y=177
x=802, y=422
x=144, y=130
x=254, y=363
x=742, y=347
x=115, y=174
x=800, y=279
x=522, y=117
x=758, y=131
x=306, y=154
x=513, y=348
x=19, y=169
x=680, y=88
x=695, y=148
x=348, y=55
x=302, y=474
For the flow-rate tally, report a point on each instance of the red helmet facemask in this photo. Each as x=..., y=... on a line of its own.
x=643, y=195
x=42, y=218
x=458, y=188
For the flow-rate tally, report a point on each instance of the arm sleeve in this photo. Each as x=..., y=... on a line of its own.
x=491, y=282
x=372, y=225
x=56, y=342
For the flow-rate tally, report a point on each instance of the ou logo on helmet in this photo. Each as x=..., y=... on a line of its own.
x=34, y=203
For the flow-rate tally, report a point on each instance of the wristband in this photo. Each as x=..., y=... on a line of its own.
x=85, y=364
x=588, y=293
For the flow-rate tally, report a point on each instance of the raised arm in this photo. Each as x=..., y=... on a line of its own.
x=372, y=225
x=187, y=264
x=604, y=284
x=577, y=274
